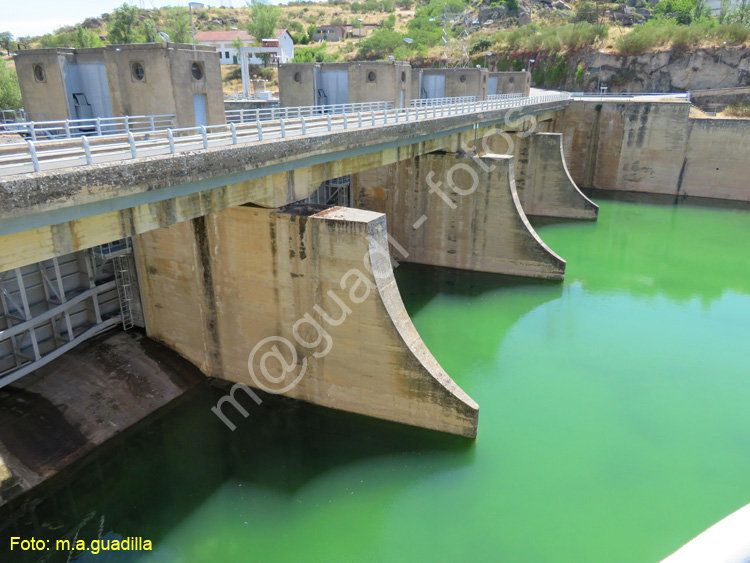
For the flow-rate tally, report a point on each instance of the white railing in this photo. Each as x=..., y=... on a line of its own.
x=33, y=156
x=99, y=126
x=504, y=96
x=674, y=95
x=429, y=102
x=12, y=115
x=276, y=113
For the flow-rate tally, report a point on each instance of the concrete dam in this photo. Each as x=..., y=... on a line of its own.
x=265, y=254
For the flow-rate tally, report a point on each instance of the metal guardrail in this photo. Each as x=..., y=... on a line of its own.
x=12, y=115
x=34, y=156
x=675, y=95
x=276, y=113
x=99, y=126
x=429, y=102
x=504, y=96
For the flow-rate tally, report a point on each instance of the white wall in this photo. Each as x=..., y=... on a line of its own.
x=224, y=47
x=715, y=5
x=287, y=47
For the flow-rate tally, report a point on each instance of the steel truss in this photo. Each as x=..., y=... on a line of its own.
x=334, y=192
x=49, y=307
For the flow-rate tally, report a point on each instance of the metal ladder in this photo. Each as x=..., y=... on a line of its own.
x=121, y=265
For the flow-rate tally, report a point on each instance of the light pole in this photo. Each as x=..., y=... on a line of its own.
x=360, y=30
x=721, y=50
x=403, y=48
x=531, y=63
x=487, y=54
x=192, y=5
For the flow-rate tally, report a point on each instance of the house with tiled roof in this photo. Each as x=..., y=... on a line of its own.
x=280, y=47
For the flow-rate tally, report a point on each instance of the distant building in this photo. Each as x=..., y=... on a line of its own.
x=362, y=31
x=280, y=47
x=119, y=80
x=329, y=33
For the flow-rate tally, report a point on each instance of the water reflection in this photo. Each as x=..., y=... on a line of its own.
x=147, y=482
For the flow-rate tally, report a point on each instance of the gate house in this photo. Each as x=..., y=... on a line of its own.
x=309, y=84
x=430, y=83
x=119, y=80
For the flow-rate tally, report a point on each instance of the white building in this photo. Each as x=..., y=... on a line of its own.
x=715, y=6
x=280, y=47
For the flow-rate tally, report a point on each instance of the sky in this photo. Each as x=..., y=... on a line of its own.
x=37, y=17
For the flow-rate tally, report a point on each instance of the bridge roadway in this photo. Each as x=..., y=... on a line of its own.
x=61, y=210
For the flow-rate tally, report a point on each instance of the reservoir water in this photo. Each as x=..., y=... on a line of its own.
x=614, y=424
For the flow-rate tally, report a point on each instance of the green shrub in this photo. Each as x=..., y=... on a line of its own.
x=644, y=37
x=585, y=12
x=480, y=45
x=551, y=38
x=688, y=36
x=312, y=55
x=734, y=34
x=580, y=72
x=738, y=109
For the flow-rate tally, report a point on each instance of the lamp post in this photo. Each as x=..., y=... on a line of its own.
x=403, y=48
x=192, y=5
x=721, y=51
x=360, y=30
x=487, y=54
x=531, y=63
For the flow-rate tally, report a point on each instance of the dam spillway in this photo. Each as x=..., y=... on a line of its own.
x=618, y=407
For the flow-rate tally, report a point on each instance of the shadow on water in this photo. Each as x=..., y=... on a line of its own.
x=666, y=199
x=419, y=284
x=144, y=482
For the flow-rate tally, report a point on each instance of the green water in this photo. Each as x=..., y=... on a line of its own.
x=614, y=423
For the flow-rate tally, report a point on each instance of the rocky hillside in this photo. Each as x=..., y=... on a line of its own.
x=663, y=71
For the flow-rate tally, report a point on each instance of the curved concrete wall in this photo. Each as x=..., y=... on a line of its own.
x=481, y=226
x=214, y=288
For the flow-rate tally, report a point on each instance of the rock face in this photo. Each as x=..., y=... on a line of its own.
x=660, y=71
x=92, y=23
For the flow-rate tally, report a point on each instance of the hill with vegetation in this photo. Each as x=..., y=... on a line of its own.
x=564, y=37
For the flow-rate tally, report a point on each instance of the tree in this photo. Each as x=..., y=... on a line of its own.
x=177, y=25
x=6, y=40
x=149, y=31
x=123, y=25
x=24, y=42
x=237, y=45
x=379, y=45
x=389, y=23
x=10, y=91
x=701, y=10
x=85, y=38
x=262, y=24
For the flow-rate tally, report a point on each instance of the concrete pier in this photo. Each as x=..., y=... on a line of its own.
x=449, y=209
x=545, y=187
x=318, y=285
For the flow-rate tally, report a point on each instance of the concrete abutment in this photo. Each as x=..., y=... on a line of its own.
x=299, y=301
